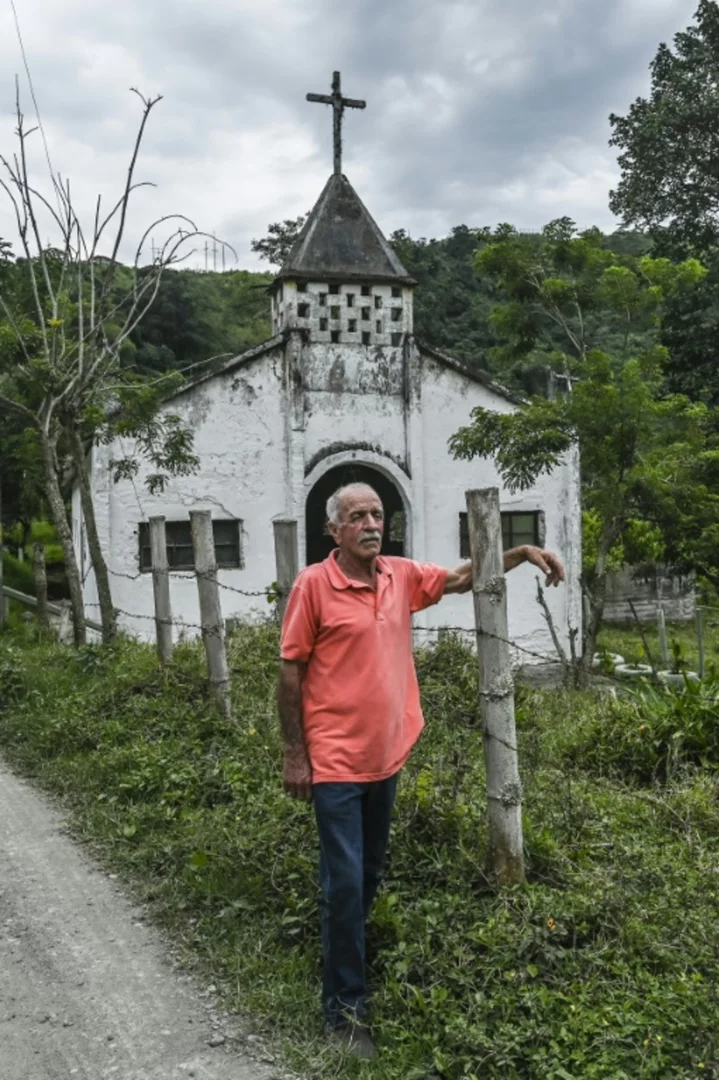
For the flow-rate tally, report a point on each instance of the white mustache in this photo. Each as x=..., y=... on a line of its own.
x=371, y=536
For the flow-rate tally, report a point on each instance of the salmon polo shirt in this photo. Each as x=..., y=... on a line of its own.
x=360, y=697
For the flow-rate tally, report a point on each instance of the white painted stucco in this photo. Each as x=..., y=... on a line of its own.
x=272, y=423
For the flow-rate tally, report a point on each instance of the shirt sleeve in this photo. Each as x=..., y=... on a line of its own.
x=426, y=584
x=299, y=626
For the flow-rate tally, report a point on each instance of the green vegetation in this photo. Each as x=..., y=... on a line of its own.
x=605, y=965
x=647, y=458
x=624, y=640
x=198, y=316
x=663, y=140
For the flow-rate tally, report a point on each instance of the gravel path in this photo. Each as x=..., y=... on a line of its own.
x=86, y=989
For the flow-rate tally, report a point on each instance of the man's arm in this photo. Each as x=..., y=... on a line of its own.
x=297, y=773
x=460, y=579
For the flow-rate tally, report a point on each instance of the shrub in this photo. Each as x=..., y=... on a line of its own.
x=649, y=735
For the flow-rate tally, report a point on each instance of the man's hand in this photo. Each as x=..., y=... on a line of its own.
x=297, y=774
x=547, y=562
x=460, y=579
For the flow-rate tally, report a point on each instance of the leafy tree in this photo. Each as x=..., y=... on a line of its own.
x=594, y=316
x=690, y=331
x=668, y=142
x=452, y=304
x=68, y=313
x=200, y=318
x=281, y=235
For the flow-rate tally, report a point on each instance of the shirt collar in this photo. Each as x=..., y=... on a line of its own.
x=338, y=578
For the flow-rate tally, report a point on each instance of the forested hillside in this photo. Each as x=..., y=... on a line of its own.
x=200, y=315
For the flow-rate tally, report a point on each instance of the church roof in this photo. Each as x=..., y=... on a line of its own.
x=341, y=240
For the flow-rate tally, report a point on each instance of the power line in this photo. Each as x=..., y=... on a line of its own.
x=34, y=99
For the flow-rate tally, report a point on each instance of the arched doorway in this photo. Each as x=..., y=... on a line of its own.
x=319, y=542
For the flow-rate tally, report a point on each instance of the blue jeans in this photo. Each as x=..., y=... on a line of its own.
x=353, y=822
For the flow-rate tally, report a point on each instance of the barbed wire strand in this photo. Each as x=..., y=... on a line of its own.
x=545, y=658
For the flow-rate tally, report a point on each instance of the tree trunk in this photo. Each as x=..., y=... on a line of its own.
x=59, y=517
x=596, y=596
x=108, y=618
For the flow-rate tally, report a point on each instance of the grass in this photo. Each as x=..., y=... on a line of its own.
x=604, y=965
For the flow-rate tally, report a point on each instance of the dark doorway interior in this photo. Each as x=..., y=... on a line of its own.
x=319, y=543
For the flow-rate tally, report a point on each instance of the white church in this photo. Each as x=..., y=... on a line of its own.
x=342, y=391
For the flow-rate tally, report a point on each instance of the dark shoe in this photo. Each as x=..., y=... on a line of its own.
x=354, y=1039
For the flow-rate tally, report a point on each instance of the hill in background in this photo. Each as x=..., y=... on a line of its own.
x=200, y=315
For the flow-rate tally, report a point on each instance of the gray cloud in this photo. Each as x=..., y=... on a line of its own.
x=479, y=111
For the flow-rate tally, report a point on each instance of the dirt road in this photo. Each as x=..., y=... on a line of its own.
x=85, y=988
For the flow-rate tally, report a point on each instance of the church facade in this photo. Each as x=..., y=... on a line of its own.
x=342, y=391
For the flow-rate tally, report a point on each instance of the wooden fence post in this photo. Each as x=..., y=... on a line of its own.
x=40, y=575
x=286, y=559
x=496, y=687
x=161, y=589
x=213, y=634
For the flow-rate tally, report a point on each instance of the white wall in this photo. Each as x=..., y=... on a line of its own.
x=237, y=420
x=265, y=431
x=447, y=401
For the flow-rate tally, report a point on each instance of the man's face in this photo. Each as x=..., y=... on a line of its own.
x=359, y=532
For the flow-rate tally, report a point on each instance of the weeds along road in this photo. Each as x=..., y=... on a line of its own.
x=85, y=989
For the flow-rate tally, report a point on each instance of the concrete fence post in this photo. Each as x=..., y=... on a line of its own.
x=699, y=619
x=64, y=626
x=213, y=634
x=496, y=687
x=662, y=633
x=39, y=572
x=286, y=559
x=161, y=589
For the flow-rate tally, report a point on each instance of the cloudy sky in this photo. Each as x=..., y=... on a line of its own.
x=478, y=111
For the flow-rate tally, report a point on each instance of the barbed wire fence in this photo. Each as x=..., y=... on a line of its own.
x=212, y=627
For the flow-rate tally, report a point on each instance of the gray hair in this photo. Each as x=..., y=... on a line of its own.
x=334, y=503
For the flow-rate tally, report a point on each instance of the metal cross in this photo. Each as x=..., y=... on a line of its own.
x=339, y=104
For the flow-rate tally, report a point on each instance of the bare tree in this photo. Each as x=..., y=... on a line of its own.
x=80, y=308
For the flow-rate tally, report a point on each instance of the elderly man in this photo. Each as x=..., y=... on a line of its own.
x=350, y=713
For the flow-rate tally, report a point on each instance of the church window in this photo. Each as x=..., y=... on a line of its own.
x=323, y=299
x=366, y=291
x=335, y=336
x=365, y=337
x=323, y=324
x=334, y=289
x=517, y=529
x=396, y=339
x=352, y=325
x=378, y=324
x=365, y=313
x=396, y=291
x=334, y=313
x=396, y=314
x=350, y=299
x=180, y=556
x=303, y=310
x=378, y=301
